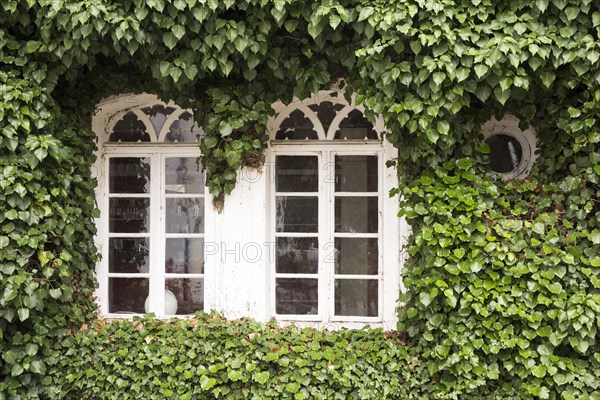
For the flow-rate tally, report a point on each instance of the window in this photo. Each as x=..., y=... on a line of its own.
x=512, y=150
x=152, y=200
x=329, y=214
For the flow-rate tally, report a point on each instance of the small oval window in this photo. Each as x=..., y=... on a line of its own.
x=512, y=150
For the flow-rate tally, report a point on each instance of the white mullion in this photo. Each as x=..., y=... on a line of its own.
x=297, y=234
x=296, y=276
x=156, y=238
x=128, y=275
x=297, y=194
x=129, y=195
x=183, y=276
x=356, y=276
x=183, y=196
x=184, y=235
x=380, y=244
x=125, y=235
x=358, y=235
x=326, y=228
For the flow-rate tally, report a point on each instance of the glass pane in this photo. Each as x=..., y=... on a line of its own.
x=297, y=255
x=356, y=297
x=185, y=216
x=129, y=215
x=127, y=295
x=129, y=175
x=129, y=129
x=297, y=296
x=326, y=111
x=184, y=256
x=297, y=214
x=184, y=296
x=356, y=173
x=505, y=153
x=296, y=127
x=158, y=114
x=356, y=256
x=355, y=126
x=356, y=214
x=182, y=175
x=297, y=174
x=184, y=130
x=128, y=255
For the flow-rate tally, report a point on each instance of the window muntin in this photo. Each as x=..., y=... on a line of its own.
x=154, y=213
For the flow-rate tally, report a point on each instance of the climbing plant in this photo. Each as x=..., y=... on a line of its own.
x=502, y=281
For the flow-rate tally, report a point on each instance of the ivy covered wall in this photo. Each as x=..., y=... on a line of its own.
x=503, y=280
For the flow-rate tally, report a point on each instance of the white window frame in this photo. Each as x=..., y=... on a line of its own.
x=389, y=224
x=109, y=112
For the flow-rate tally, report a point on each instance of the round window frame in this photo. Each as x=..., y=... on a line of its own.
x=509, y=126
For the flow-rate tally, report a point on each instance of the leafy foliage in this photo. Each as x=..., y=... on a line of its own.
x=503, y=280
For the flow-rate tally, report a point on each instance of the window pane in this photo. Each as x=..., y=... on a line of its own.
x=356, y=297
x=355, y=126
x=127, y=295
x=129, y=175
x=356, y=256
x=297, y=214
x=296, y=127
x=356, y=214
x=184, y=296
x=128, y=255
x=129, y=129
x=297, y=174
x=182, y=175
x=185, y=215
x=297, y=255
x=184, y=256
x=184, y=130
x=129, y=215
x=297, y=296
x=356, y=174
x=158, y=114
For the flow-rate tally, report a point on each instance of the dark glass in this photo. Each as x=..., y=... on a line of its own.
x=505, y=153
x=297, y=296
x=189, y=294
x=296, y=127
x=356, y=126
x=129, y=215
x=185, y=215
x=326, y=111
x=129, y=175
x=127, y=295
x=184, y=130
x=356, y=214
x=158, y=114
x=297, y=214
x=129, y=129
x=184, y=255
x=356, y=173
x=357, y=297
x=297, y=174
x=356, y=256
x=182, y=175
x=297, y=255
x=128, y=255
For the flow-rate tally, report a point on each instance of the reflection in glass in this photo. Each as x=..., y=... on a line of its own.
x=184, y=256
x=297, y=296
x=129, y=129
x=356, y=174
x=295, y=127
x=356, y=256
x=184, y=215
x=297, y=255
x=356, y=297
x=297, y=174
x=506, y=153
x=158, y=114
x=184, y=130
x=297, y=214
x=355, y=126
x=129, y=175
x=127, y=295
x=356, y=214
x=189, y=294
x=128, y=255
x=182, y=175
x=326, y=111
x=129, y=215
